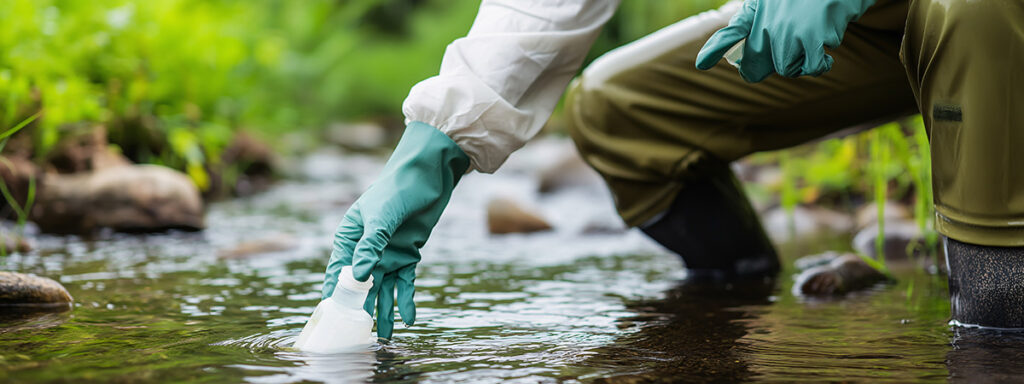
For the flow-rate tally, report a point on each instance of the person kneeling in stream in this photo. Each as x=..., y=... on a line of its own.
x=661, y=118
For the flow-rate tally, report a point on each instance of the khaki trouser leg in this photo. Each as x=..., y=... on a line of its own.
x=646, y=119
x=965, y=60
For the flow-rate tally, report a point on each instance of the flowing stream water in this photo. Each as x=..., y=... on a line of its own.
x=560, y=306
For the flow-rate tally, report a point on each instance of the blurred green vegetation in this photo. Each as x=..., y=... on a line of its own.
x=888, y=163
x=174, y=80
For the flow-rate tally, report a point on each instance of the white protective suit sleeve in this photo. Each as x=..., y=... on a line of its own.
x=498, y=85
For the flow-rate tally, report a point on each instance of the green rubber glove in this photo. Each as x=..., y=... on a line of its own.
x=383, y=231
x=787, y=37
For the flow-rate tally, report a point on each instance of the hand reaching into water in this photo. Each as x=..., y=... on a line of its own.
x=383, y=231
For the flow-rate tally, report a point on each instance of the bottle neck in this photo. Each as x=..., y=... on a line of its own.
x=350, y=292
x=349, y=298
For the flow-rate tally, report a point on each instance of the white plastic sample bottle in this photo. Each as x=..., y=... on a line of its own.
x=339, y=323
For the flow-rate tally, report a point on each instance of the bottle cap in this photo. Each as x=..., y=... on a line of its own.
x=345, y=279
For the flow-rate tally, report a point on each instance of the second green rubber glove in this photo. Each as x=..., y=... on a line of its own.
x=787, y=37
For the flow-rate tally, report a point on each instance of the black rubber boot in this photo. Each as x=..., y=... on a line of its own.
x=986, y=284
x=713, y=227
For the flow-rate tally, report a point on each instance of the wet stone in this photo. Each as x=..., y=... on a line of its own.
x=134, y=198
x=506, y=216
x=27, y=290
x=841, y=275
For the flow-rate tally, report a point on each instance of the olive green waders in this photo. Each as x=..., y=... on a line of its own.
x=652, y=124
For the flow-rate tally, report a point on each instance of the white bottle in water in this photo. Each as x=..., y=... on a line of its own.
x=339, y=322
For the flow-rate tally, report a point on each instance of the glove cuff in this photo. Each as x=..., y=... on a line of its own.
x=423, y=138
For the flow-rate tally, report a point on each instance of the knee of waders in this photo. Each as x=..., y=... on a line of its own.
x=586, y=108
x=986, y=284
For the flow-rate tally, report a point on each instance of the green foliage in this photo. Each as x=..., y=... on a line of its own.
x=141, y=67
x=173, y=79
x=880, y=161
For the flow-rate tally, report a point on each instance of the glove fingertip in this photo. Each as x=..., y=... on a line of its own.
x=821, y=67
x=406, y=284
x=408, y=312
x=828, y=62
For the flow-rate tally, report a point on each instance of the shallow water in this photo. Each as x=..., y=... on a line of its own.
x=558, y=306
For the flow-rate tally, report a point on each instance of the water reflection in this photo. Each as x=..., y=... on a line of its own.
x=986, y=356
x=13, y=319
x=689, y=335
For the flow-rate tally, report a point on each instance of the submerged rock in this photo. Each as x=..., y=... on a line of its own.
x=136, y=198
x=506, y=216
x=25, y=290
x=832, y=273
x=900, y=236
